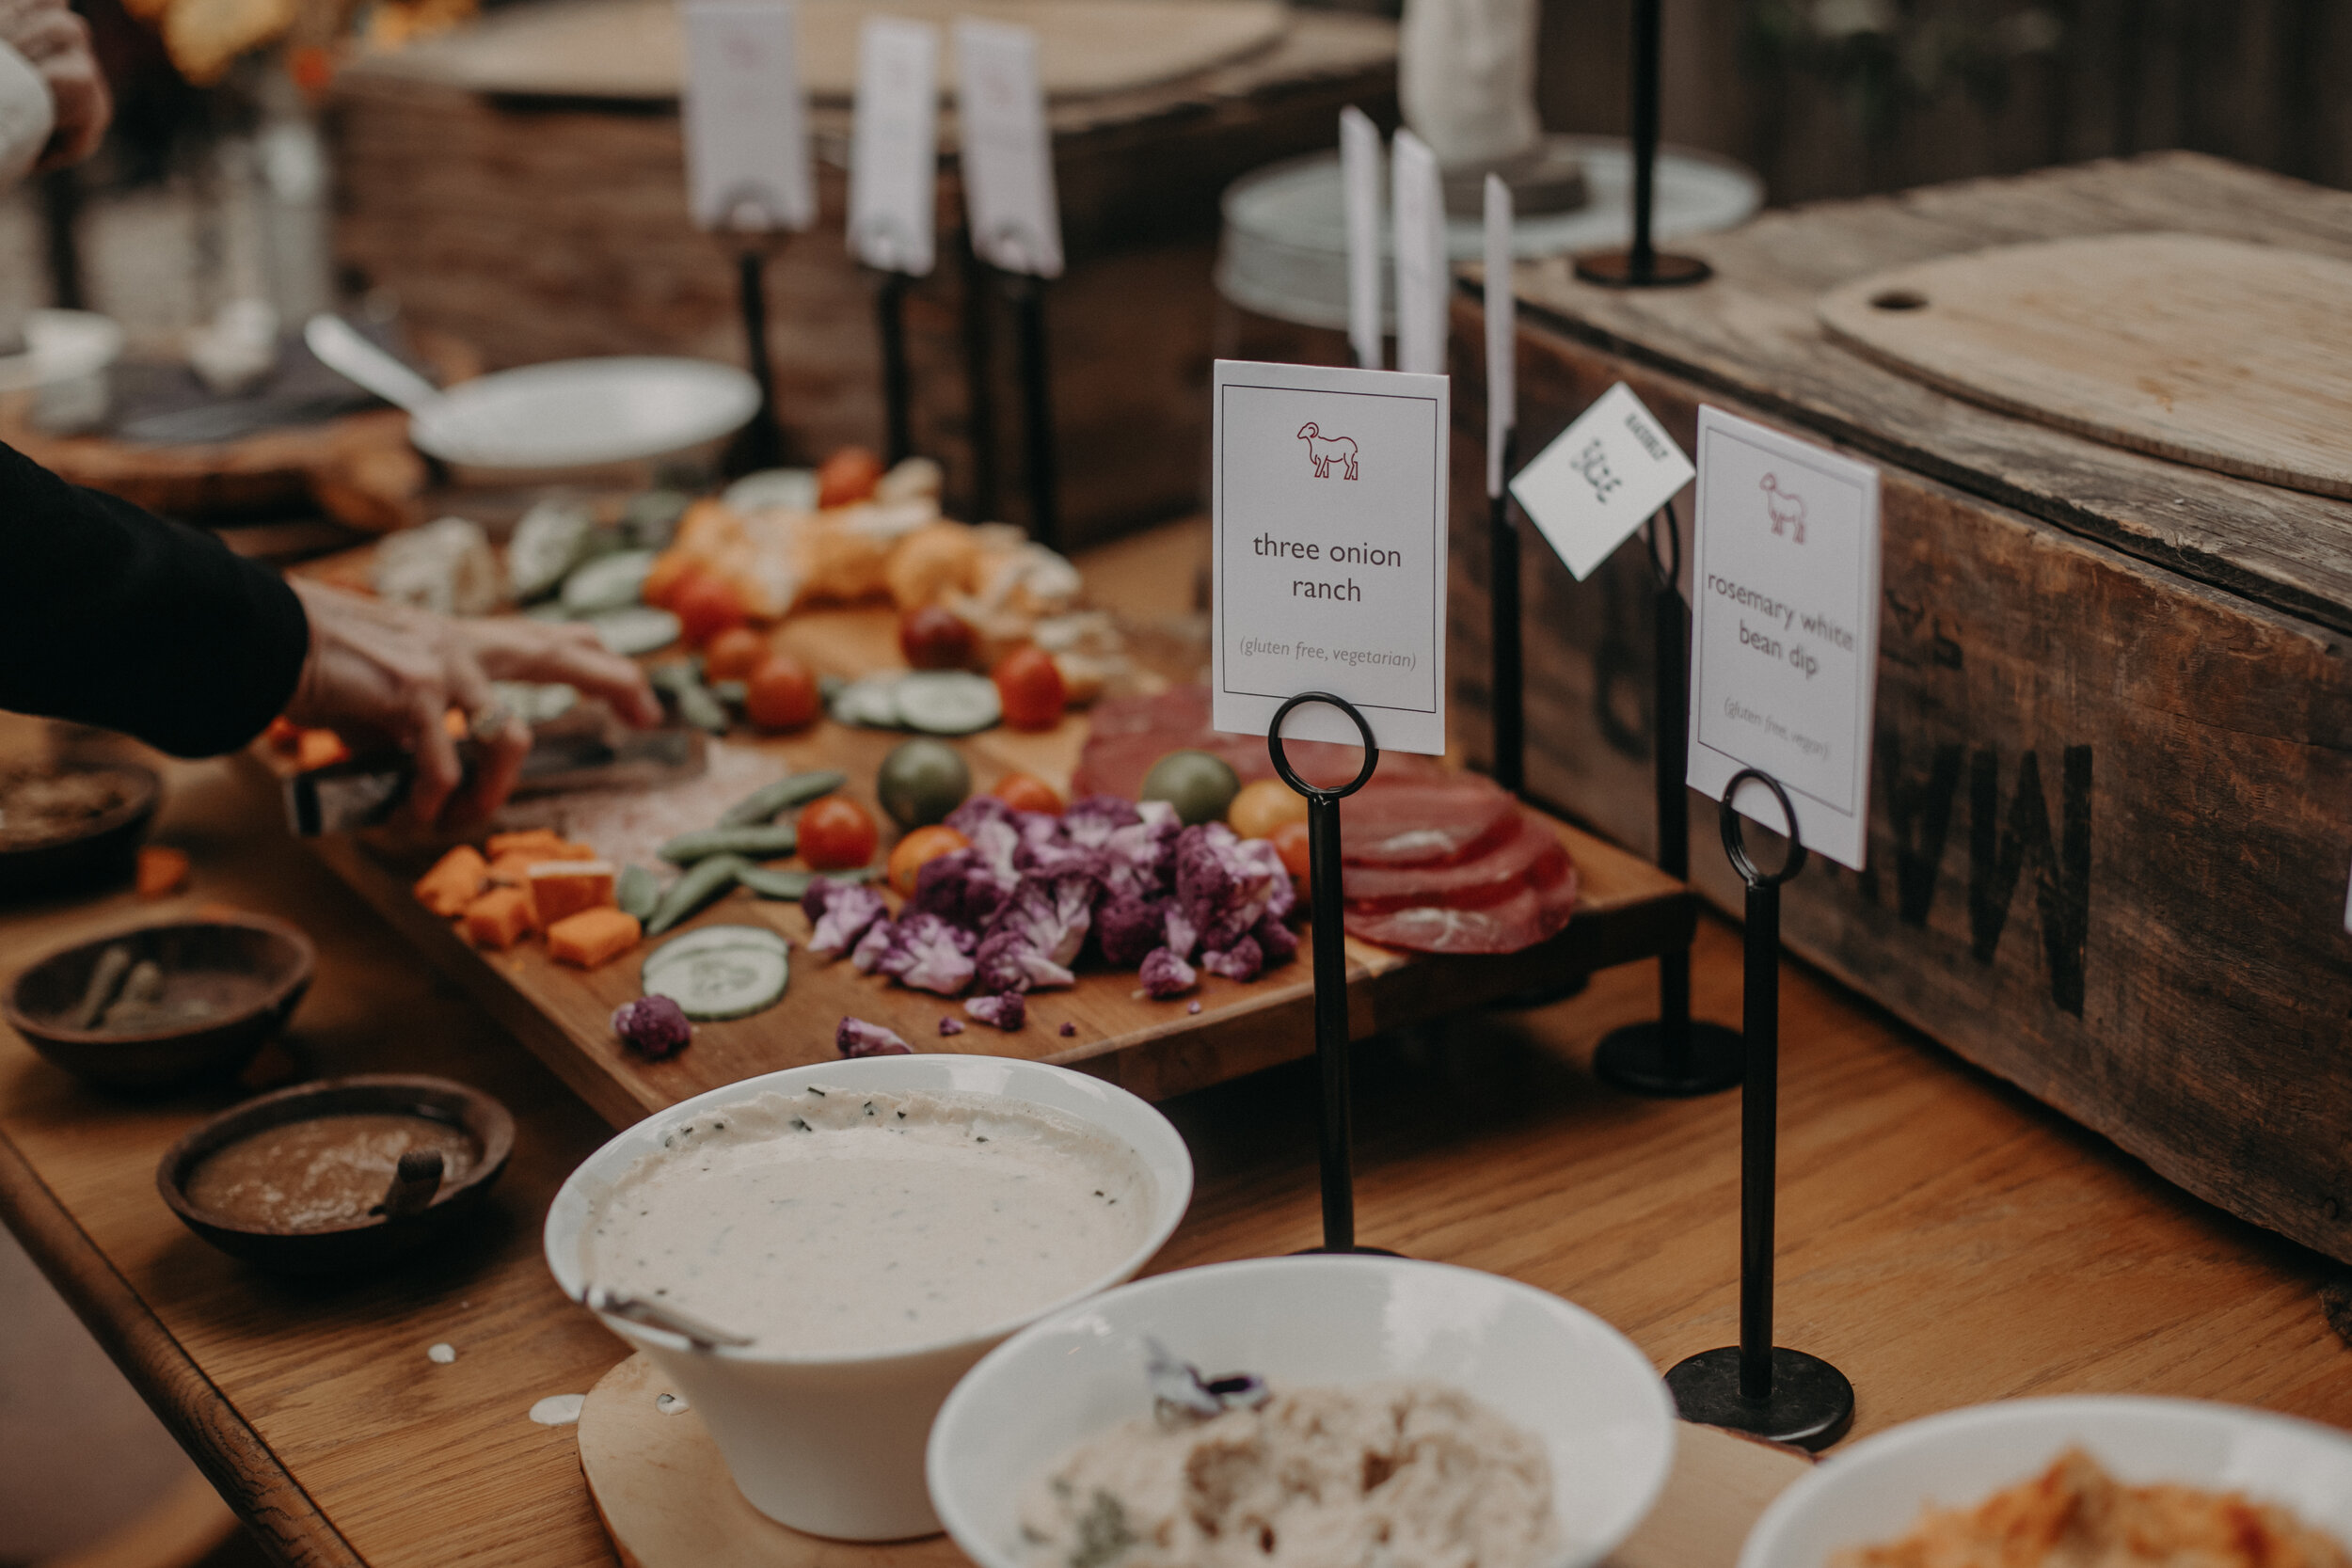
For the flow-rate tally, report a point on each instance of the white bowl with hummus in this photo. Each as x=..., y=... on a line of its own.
x=1548, y=1385
x=874, y=1227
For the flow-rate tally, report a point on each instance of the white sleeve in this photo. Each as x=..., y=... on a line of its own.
x=27, y=115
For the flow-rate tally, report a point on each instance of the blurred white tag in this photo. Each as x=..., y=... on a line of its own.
x=746, y=125
x=1360, y=183
x=1421, y=276
x=1007, y=149
x=1503, y=330
x=1785, y=629
x=1593, y=486
x=894, y=151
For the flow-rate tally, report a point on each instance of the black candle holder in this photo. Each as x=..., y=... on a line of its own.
x=1641, y=265
x=1330, y=970
x=1672, y=1057
x=1756, y=1386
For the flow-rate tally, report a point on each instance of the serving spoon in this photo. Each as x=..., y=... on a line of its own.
x=637, y=1309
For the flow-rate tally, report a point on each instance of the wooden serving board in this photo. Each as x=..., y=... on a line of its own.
x=666, y=1499
x=2231, y=357
x=1625, y=909
x=633, y=49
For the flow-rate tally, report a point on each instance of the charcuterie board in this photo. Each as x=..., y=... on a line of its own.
x=1625, y=909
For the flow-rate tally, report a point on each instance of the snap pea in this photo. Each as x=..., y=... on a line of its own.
x=637, y=891
x=767, y=802
x=708, y=879
x=792, y=885
x=761, y=841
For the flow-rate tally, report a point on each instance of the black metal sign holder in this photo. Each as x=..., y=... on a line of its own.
x=1641, y=265
x=1502, y=608
x=1330, y=970
x=1756, y=1386
x=1025, y=292
x=890, y=322
x=759, y=444
x=1672, y=1057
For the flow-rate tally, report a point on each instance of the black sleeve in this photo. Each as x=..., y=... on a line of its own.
x=110, y=616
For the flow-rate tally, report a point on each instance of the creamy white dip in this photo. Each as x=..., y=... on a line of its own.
x=834, y=1222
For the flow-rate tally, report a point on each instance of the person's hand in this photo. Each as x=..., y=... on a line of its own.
x=390, y=671
x=56, y=43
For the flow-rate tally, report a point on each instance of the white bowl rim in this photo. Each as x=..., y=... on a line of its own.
x=1170, y=1213
x=741, y=402
x=1792, y=1505
x=935, y=1463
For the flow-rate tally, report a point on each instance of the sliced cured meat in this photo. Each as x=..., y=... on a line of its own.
x=1126, y=735
x=1527, y=917
x=1414, y=821
x=1530, y=856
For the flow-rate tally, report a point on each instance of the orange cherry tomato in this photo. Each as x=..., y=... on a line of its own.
x=1030, y=685
x=1290, y=842
x=849, y=475
x=733, y=654
x=781, y=694
x=918, y=848
x=670, y=571
x=706, y=605
x=837, y=833
x=1028, y=792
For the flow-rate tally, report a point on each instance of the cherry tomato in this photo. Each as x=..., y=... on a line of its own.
x=1029, y=683
x=933, y=637
x=670, y=571
x=1028, y=792
x=918, y=849
x=1290, y=842
x=781, y=694
x=733, y=654
x=1264, y=806
x=849, y=475
x=837, y=833
x=706, y=605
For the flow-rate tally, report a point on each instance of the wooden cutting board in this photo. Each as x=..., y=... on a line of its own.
x=631, y=49
x=2235, y=357
x=666, y=1499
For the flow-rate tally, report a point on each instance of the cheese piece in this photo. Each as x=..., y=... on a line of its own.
x=562, y=888
x=498, y=919
x=456, y=881
x=592, y=937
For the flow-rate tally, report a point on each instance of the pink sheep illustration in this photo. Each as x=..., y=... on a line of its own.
x=1788, y=508
x=1322, y=448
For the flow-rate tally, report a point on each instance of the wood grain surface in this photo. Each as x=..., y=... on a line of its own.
x=2231, y=357
x=664, y=1494
x=1752, y=332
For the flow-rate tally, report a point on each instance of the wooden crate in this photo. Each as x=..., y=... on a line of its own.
x=2112, y=811
x=542, y=229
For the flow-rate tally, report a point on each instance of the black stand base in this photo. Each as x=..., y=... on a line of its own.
x=1637, y=1060
x=1616, y=269
x=1811, y=1404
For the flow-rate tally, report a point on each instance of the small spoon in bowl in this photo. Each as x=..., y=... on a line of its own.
x=637, y=1309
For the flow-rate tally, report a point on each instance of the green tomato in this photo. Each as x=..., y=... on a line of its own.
x=922, y=782
x=1199, y=784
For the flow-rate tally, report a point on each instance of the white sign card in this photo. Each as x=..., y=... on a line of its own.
x=1422, y=274
x=1008, y=192
x=1329, y=563
x=894, y=147
x=746, y=119
x=1502, y=331
x=1596, y=483
x=1360, y=179
x=1784, y=658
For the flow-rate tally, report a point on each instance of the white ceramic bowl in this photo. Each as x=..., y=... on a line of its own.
x=1874, y=1491
x=585, y=413
x=1556, y=1369
x=834, y=1444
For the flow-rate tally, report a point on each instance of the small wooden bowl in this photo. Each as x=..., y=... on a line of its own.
x=252, y=968
x=365, y=1242
x=101, y=853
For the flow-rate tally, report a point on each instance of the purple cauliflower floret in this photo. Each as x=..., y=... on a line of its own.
x=842, y=913
x=1275, y=941
x=999, y=843
x=976, y=810
x=1007, y=961
x=1052, y=914
x=874, y=946
x=929, y=954
x=1128, y=927
x=857, y=1038
x=1164, y=974
x=1008, y=1010
x=653, y=1026
x=1282, y=899
x=1243, y=961
x=1070, y=1031
x=1223, y=885
x=1140, y=857
x=962, y=889
x=1090, y=821
x=950, y=1025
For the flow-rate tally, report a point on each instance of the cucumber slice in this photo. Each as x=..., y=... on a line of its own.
x=549, y=542
x=608, y=582
x=947, y=702
x=720, y=983
x=635, y=629
x=872, y=702
x=702, y=937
